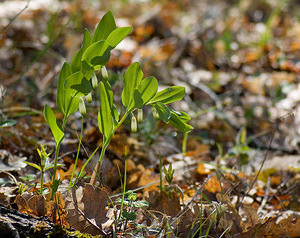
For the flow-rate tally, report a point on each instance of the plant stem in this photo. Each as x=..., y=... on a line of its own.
x=124, y=185
x=42, y=182
x=77, y=155
x=56, y=158
x=105, y=145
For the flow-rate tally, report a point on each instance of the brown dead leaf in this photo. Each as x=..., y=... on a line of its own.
x=168, y=204
x=37, y=203
x=202, y=170
x=7, y=194
x=285, y=225
x=23, y=205
x=86, y=208
x=213, y=185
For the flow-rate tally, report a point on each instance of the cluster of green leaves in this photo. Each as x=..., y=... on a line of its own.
x=130, y=206
x=79, y=79
x=44, y=165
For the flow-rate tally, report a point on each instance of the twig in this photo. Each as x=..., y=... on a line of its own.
x=16, y=16
x=264, y=201
x=190, y=202
x=261, y=165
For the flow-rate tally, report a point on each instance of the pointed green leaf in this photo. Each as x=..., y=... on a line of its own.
x=115, y=114
x=96, y=54
x=105, y=117
x=78, y=85
x=169, y=95
x=105, y=27
x=76, y=61
x=7, y=123
x=117, y=35
x=178, y=123
x=87, y=39
x=108, y=91
x=132, y=79
x=60, y=97
x=147, y=90
x=163, y=112
x=51, y=166
x=138, y=101
x=182, y=115
x=58, y=134
x=33, y=165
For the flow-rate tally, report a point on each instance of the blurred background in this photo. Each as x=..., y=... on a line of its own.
x=238, y=60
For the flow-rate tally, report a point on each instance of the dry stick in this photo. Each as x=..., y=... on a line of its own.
x=15, y=17
x=265, y=199
x=190, y=202
x=263, y=161
x=266, y=154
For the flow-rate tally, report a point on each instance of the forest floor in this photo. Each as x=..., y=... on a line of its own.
x=237, y=173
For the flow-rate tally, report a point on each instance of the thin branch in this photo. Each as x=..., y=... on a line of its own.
x=15, y=17
x=190, y=202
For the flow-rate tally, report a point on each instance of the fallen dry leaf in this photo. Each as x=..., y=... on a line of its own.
x=86, y=208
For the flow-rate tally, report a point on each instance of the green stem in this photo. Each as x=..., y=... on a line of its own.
x=124, y=186
x=42, y=182
x=56, y=159
x=105, y=145
x=77, y=155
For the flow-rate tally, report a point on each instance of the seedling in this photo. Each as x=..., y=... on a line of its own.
x=129, y=207
x=44, y=166
x=79, y=80
x=169, y=174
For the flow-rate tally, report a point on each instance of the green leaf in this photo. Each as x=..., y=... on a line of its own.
x=58, y=134
x=115, y=114
x=76, y=61
x=169, y=95
x=105, y=117
x=96, y=54
x=7, y=123
x=60, y=97
x=146, y=91
x=33, y=165
x=105, y=27
x=52, y=166
x=163, y=112
x=108, y=90
x=131, y=216
x=78, y=85
x=116, y=36
x=178, y=123
x=132, y=79
x=182, y=115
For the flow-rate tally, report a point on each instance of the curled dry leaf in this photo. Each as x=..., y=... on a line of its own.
x=86, y=208
x=9, y=162
x=39, y=205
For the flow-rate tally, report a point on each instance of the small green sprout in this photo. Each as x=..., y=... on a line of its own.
x=44, y=166
x=169, y=174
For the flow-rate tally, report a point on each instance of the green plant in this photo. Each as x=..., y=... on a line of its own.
x=129, y=206
x=241, y=148
x=44, y=166
x=169, y=174
x=79, y=79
